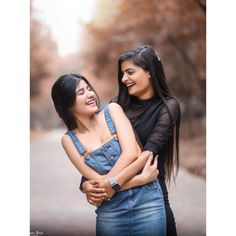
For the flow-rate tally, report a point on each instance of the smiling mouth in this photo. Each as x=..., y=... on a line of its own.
x=130, y=85
x=91, y=102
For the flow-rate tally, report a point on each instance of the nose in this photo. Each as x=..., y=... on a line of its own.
x=124, y=78
x=90, y=94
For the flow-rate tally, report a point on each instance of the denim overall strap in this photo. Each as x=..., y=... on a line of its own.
x=76, y=142
x=109, y=120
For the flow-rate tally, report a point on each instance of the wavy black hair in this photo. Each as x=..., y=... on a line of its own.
x=63, y=94
x=147, y=58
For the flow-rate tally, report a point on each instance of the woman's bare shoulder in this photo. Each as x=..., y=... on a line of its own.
x=115, y=109
x=114, y=105
x=65, y=139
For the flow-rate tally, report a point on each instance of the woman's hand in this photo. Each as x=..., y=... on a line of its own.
x=108, y=189
x=150, y=171
x=94, y=194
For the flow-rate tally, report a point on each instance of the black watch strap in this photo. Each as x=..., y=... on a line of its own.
x=114, y=184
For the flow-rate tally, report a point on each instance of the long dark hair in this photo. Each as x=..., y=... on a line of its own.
x=63, y=94
x=147, y=58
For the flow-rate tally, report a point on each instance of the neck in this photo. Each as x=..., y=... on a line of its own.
x=146, y=93
x=86, y=123
x=146, y=96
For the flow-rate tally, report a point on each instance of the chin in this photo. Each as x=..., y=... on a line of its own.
x=94, y=109
x=132, y=93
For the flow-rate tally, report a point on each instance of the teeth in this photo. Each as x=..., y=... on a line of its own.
x=128, y=85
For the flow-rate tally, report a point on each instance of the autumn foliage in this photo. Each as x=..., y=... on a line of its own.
x=175, y=28
x=43, y=52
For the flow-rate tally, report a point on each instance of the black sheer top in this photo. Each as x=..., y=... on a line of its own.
x=152, y=123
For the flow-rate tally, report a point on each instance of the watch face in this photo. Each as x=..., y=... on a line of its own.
x=113, y=182
x=115, y=186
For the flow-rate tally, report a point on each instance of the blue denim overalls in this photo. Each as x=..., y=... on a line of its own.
x=138, y=211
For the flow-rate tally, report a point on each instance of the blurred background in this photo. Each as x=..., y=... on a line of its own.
x=88, y=37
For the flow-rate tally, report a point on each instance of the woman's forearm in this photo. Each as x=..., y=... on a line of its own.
x=149, y=173
x=124, y=161
x=134, y=182
x=126, y=174
x=133, y=169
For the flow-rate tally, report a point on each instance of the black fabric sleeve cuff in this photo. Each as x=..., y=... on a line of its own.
x=81, y=183
x=152, y=148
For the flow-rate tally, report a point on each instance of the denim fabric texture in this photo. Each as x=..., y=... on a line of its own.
x=138, y=211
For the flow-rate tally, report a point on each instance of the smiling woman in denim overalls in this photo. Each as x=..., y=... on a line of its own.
x=102, y=146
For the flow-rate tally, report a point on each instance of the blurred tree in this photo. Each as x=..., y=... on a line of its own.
x=175, y=28
x=44, y=63
x=43, y=51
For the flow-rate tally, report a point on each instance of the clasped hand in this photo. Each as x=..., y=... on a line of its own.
x=98, y=191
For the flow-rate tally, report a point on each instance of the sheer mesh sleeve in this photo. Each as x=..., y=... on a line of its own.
x=82, y=180
x=162, y=130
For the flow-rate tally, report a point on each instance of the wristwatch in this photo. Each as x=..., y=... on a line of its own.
x=114, y=184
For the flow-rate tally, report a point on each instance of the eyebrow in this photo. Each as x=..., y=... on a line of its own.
x=128, y=69
x=88, y=86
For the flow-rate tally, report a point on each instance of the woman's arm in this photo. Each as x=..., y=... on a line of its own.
x=95, y=195
x=125, y=174
x=162, y=130
x=133, y=169
x=130, y=162
x=127, y=141
x=149, y=173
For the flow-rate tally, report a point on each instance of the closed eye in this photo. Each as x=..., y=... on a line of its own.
x=80, y=92
x=130, y=72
